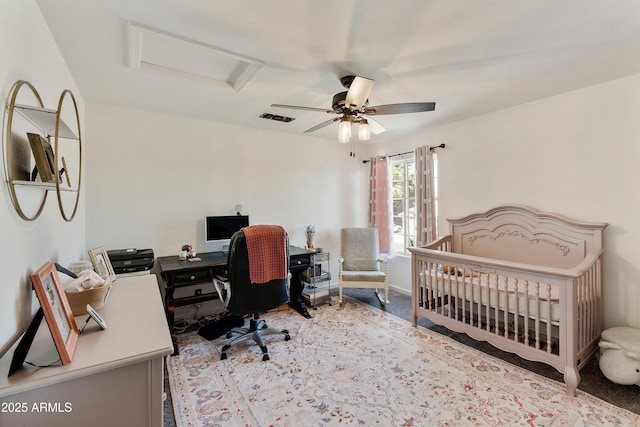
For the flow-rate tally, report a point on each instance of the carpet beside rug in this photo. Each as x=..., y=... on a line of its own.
x=358, y=365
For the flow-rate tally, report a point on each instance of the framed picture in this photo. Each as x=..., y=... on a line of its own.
x=51, y=158
x=101, y=263
x=57, y=310
x=44, y=157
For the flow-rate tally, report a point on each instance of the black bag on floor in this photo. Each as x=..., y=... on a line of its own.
x=217, y=328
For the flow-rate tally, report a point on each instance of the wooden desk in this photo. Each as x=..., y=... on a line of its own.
x=178, y=273
x=115, y=377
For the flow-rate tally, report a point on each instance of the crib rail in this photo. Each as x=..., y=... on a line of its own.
x=543, y=314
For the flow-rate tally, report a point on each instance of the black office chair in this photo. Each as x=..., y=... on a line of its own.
x=241, y=296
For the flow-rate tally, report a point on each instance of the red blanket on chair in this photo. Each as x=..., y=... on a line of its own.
x=266, y=246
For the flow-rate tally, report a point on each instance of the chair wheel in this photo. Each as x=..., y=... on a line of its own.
x=287, y=337
x=223, y=356
x=265, y=357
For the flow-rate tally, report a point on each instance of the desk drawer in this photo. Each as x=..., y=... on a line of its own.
x=191, y=277
x=195, y=290
x=299, y=263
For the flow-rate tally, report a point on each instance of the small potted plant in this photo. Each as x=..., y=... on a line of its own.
x=310, y=231
x=187, y=252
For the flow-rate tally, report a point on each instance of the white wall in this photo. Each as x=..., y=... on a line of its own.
x=574, y=154
x=29, y=52
x=152, y=179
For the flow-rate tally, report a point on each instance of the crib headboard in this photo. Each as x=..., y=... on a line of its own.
x=526, y=235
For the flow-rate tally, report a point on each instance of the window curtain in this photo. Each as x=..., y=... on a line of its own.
x=425, y=196
x=380, y=202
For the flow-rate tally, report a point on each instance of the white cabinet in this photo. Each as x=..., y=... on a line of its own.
x=115, y=377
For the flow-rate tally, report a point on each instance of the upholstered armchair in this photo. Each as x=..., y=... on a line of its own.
x=360, y=264
x=258, y=268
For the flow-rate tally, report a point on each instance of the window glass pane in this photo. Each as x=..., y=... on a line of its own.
x=398, y=190
x=398, y=172
x=398, y=206
x=404, y=204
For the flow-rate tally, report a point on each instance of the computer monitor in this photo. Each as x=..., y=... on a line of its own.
x=219, y=229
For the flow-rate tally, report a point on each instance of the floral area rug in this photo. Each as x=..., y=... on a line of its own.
x=357, y=365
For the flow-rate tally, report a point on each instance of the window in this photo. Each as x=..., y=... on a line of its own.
x=403, y=183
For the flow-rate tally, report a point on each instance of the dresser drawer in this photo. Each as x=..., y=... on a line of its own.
x=191, y=277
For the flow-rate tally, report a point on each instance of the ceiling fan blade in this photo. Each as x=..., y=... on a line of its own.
x=321, y=125
x=409, y=107
x=358, y=93
x=297, y=107
x=375, y=127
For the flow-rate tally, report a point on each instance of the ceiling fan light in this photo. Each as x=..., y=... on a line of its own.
x=364, y=133
x=344, y=130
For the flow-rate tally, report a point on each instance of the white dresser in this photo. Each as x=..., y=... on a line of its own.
x=115, y=377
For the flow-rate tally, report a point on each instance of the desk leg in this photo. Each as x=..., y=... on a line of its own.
x=295, y=293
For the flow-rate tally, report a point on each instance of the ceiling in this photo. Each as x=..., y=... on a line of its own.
x=469, y=56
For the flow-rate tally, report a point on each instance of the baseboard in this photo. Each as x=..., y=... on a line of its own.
x=403, y=291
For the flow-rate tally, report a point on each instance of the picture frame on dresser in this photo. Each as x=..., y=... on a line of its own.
x=57, y=311
x=101, y=263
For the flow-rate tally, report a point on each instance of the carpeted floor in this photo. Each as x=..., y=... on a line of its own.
x=593, y=382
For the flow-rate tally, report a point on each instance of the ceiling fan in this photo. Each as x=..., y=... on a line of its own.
x=353, y=107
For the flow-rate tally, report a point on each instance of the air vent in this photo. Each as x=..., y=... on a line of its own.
x=276, y=117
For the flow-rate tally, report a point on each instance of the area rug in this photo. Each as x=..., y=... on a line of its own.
x=357, y=365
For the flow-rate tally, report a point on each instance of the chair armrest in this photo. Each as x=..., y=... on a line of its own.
x=385, y=265
x=224, y=291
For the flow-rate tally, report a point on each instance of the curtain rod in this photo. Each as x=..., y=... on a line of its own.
x=408, y=152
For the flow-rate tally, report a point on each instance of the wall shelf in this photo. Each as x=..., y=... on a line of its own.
x=45, y=120
x=47, y=123
x=42, y=185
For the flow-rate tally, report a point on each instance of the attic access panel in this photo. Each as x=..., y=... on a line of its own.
x=157, y=50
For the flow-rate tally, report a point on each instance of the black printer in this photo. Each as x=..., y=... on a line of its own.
x=131, y=260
